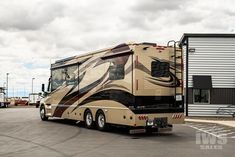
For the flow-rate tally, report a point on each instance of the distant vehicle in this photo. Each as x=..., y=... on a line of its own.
x=137, y=85
x=3, y=100
x=21, y=102
x=34, y=99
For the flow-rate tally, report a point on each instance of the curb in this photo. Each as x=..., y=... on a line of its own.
x=226, y=123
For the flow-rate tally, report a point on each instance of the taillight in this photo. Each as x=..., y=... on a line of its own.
x=177, y=115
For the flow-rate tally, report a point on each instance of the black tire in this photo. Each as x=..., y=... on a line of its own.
x=6, y=105
x=101, y=121
x=88, y=119
x=43, y=113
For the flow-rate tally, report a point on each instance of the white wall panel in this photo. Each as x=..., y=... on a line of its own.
x=215, y=57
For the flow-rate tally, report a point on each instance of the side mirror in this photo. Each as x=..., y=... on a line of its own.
x=43, y=87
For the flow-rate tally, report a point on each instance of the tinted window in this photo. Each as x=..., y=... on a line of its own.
x=116, y=72
x=201, y=95
x=71, y=73
x=117, y=67
x=57, y=78
x=66, y=75
x=160, y=69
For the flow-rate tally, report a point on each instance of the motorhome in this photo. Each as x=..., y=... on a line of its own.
x=137, y=85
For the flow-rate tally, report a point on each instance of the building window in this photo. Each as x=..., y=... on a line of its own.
x=160, y=69
x=201, y=96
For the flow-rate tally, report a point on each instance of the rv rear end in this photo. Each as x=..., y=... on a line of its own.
x=158, y=87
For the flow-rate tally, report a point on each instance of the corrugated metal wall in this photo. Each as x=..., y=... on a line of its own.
x=215, y=110
x=215, y=57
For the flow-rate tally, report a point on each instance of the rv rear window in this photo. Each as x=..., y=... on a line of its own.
x=160, y=69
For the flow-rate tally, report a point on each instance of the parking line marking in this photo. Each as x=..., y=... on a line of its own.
x=222, y=131
x=227, y=134
x=206, y=132
x=216, y=129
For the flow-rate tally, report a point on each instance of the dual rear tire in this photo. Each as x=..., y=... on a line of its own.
x=100, y=120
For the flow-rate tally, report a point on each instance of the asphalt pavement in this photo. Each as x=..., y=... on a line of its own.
x=23, y=134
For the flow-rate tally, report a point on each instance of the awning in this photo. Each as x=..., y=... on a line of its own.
x=202, y=82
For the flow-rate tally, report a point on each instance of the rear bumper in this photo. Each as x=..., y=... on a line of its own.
x=144, y=120
x=150, y=129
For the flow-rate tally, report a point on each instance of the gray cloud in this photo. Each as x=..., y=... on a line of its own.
x=155, y=6
x=22, y=16
x=188, y=18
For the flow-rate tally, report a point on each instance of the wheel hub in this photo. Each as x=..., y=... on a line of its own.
x=101, y=121
x=88, y=118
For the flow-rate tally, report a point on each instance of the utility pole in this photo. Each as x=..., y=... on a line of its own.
x=7, y=87
x=32, y=84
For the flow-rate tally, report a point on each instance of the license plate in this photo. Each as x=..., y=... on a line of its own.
x=161, y=122
x=178, y=97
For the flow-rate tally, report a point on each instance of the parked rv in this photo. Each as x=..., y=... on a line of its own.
x=137, y=85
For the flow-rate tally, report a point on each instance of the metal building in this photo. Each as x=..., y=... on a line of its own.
x=209, y=63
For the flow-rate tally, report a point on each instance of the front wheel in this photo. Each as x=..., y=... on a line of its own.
x=43, y=113
x=101, y=121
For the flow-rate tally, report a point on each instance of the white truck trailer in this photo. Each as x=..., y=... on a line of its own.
x=34, y=99
x=3, y=100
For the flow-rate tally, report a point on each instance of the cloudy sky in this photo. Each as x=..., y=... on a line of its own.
x=35, y=33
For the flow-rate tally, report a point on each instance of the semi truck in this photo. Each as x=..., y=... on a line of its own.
x=34, y=99
x=3, y=99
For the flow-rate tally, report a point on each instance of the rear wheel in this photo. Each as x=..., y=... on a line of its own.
x=101, y=121
x=88, y=119
x=43, y=113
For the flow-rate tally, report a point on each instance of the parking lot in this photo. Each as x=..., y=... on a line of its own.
x=22, y=133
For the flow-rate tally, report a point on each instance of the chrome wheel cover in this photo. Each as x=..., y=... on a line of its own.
x=42, y=112
x=89, y=119
x=101, y=121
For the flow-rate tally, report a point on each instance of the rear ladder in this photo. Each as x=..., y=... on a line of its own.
x=177, y=68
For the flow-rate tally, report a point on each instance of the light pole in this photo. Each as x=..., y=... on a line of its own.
x=32, y=84
x=7, y=86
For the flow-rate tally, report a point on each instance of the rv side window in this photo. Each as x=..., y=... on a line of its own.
x=160, y=69
x=116, y=72
x=117, y=67
x=71, y=74
x=66, y=75
x=57, y=78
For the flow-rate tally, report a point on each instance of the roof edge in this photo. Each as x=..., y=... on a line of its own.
x=206, y=35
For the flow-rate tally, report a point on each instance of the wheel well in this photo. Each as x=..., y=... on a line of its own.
x=42, y=105
x=99, y=110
